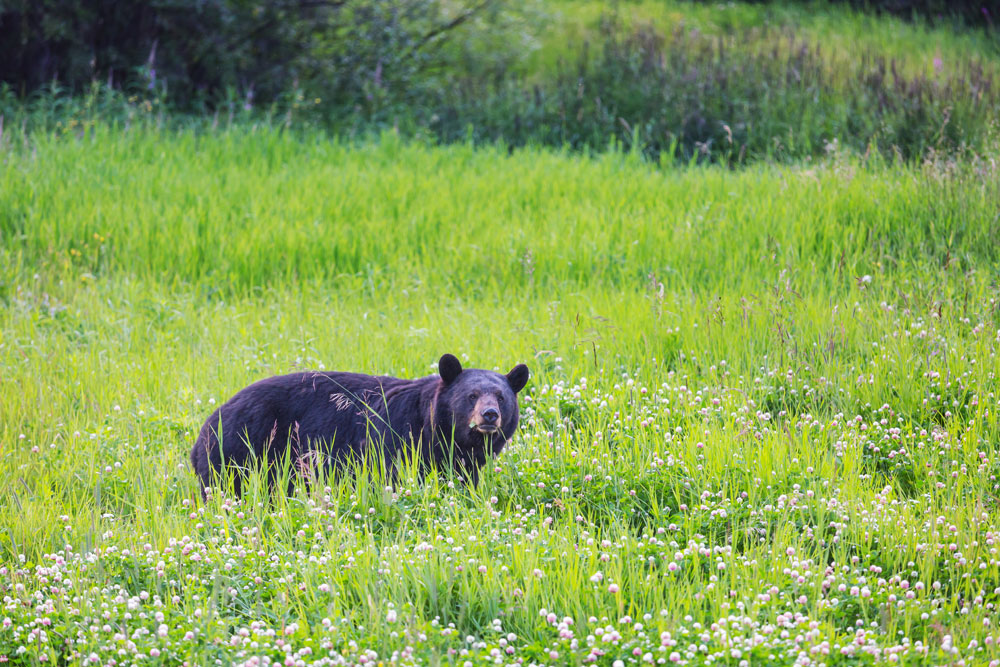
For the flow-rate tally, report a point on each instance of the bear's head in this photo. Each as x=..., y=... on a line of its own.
x=478, y=409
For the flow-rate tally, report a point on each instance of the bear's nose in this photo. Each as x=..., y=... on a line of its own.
x=491, y=415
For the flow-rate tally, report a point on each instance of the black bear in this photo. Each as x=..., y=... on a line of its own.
x=457, y=417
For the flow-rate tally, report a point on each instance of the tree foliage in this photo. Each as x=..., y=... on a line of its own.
x=195, y=51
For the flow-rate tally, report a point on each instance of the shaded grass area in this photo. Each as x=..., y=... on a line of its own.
x=764, y=87
x=761, y=400
x=839, y=29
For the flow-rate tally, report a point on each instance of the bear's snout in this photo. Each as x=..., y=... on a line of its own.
x=487, y=417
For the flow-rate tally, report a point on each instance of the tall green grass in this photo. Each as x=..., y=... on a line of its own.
x=749, y=388
x=734, y=91
x=104, y=204
x=913, y=43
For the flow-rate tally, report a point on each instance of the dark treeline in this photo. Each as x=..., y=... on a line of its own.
x=958, y=13
x=198, y=52
x=968, y=12
x=451, y=68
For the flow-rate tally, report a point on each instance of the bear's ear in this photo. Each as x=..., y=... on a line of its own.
x=449, y=367
x=518, y=377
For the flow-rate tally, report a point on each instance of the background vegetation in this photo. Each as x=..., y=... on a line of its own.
x=727, y=82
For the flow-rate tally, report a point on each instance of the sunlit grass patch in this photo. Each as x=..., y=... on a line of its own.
x=761, y=425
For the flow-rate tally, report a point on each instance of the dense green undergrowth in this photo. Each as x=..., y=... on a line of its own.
x=761, y=426
x=729, y=83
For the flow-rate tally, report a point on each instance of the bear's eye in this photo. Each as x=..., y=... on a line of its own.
x=500, y=399
x=473, y=396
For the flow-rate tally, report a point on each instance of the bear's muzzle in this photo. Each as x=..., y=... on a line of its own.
x=487, y=418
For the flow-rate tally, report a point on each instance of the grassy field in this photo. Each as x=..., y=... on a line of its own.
x=837, y=29
x=762, y=425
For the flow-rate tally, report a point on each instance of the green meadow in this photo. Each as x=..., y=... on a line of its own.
x=761, y=428
x=749, y=252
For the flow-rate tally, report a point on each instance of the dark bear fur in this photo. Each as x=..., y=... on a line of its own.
x=457, y=417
